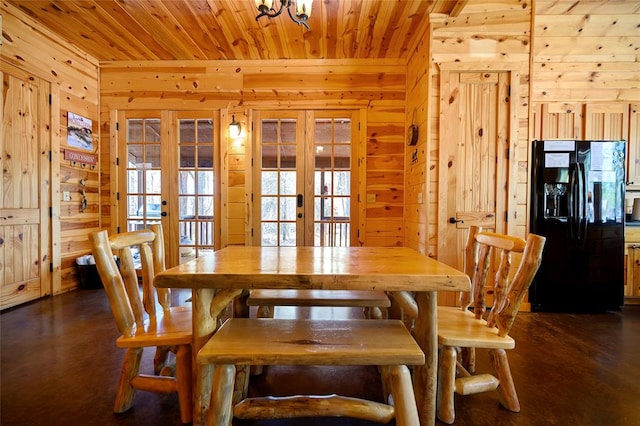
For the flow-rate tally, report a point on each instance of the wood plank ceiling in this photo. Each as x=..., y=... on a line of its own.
x=112, y=30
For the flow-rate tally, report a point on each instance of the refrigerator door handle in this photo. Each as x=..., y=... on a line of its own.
x=571, y=201
x=582, y=179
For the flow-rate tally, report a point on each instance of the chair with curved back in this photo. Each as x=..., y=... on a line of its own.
x=146, y=321
x=462, y=331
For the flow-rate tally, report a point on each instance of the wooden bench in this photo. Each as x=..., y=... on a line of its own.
x=261, y=341
x=371, y=301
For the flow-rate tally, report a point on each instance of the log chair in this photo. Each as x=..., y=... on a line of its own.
x=144, y=322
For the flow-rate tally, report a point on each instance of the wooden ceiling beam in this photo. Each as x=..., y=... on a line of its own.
x=457, y=8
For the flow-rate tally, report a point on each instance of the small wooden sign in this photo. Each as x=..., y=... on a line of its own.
x=80, y=157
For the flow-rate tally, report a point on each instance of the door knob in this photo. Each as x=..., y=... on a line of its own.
x=454, y=220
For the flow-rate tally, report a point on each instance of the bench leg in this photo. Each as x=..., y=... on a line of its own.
x=404, y=400
x=221, y=407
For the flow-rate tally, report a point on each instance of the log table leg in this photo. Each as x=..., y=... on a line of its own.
x=425, y=376
x=204, y=325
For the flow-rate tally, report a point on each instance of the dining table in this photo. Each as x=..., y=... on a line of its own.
x=318, y=268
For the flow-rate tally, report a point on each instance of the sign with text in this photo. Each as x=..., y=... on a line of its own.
x=80, y=157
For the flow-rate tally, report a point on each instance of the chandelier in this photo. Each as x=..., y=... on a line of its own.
x=302, y=13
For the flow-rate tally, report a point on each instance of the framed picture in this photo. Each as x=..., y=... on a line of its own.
x=79, y=131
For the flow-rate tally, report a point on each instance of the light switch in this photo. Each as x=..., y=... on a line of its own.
x=419, y=197
x=66, y=196
x=371, y=198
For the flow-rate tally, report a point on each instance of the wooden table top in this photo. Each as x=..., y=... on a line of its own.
x=323, y=268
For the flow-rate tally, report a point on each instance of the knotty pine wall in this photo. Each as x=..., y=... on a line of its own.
x=377, y=89
x=481, y=40
x=582, y=55
x=73, y=76
x=587, y=53
x=420, y=167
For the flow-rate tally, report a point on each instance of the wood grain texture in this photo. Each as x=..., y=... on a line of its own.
x=415, y=36
x=592, y=55
x=227, y=29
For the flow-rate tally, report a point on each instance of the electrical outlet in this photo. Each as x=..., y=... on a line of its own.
x=371, y=198
x=66, y=196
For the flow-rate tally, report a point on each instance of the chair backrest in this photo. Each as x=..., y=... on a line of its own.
x=509, y=289
x=158, y=250
x=130, y=310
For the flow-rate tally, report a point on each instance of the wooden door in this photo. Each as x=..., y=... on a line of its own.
x=170, y=176
x=25, y=147
x=304, y=193
x=474, y=158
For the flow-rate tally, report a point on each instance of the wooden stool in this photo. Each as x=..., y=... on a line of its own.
x=261, y=341
x=371, y=301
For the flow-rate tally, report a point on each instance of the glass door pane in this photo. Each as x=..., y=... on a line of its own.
x=278, y=182
x=143, y=172
x=332, y=182
x=196, y=187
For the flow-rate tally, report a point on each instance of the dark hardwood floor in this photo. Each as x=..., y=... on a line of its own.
x=60, y=366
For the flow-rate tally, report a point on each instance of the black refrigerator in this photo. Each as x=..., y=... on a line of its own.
x=577, y=203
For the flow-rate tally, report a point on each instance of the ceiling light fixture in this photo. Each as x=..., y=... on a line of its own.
x=303, y=10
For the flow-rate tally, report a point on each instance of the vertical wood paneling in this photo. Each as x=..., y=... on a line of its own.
x=607, y=121
x=561, y=120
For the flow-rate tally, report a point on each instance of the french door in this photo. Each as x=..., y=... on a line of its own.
x=170, y=177
x=304, y=190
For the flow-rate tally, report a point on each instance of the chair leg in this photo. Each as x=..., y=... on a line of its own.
x=130, y=368
x=221, y=407
x=446, y=384
x=265, y=311
x=506, y=389
x=385, y=379
x=468, y=359
x=241, y=387
x=184, y=382
x=374, y=312
x=404, y=400
x=160, y=359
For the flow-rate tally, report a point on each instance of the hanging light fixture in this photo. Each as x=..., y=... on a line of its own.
x=302, y=12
